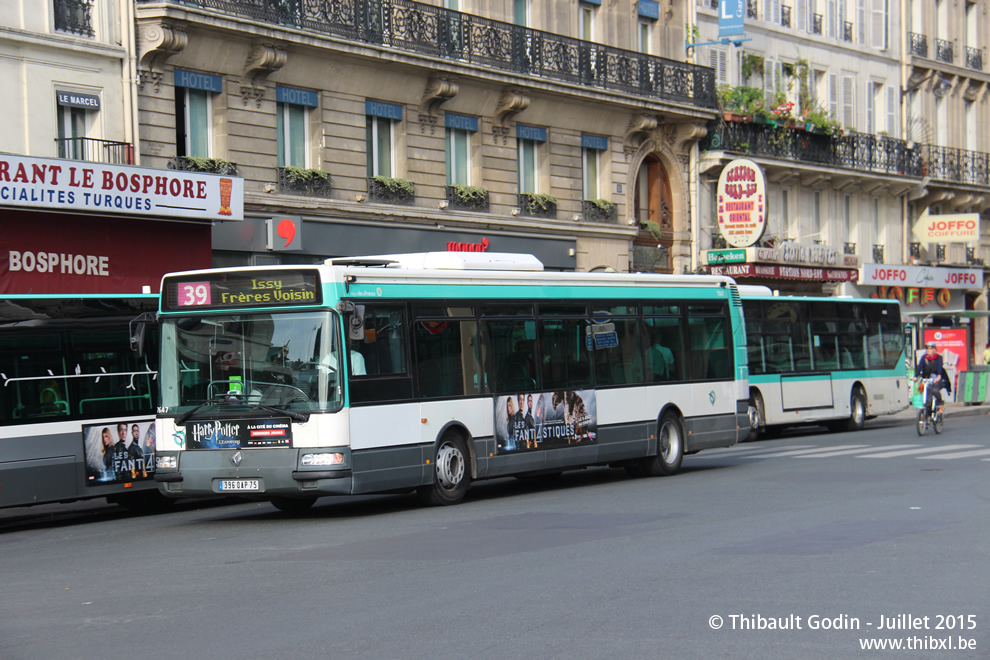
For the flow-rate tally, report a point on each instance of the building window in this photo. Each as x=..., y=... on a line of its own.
x=528, y=154
x=847, y=216
x=71, y=128
x=644, y=36
x=785, y=214
x=379, y=143
x=74, y=17
x=718, y=60
x=587, y=21
x=816, y=216
x=591, y=148
x=459, y=130
x=876, y=220
x=520, y=12
x=194, y=112
x=292, y=139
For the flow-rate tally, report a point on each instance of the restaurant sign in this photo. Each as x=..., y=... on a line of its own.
x=742, y=206
x=68, y=185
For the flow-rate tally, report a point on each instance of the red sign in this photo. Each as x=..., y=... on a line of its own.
x=953, y=346
x=453, y=246
x=44, y=253
x=786, y=272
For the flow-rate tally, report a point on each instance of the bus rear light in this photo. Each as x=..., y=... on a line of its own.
x=322, y=459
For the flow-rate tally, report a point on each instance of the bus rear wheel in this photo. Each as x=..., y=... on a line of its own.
x=670, y=448
x=451, y=474
x=293, y=504
x=757, y=416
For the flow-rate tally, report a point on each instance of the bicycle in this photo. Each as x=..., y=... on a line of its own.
x=926, y=416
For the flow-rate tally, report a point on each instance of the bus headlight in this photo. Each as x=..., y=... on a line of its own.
x=167, y=462
x=322, y=459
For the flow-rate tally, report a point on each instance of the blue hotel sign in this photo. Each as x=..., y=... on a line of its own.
x=534, y=133
x=379, y=109
x=462, y=122
x=194, y=80
x=730, y=18
x=596, y=142
x=648, y=9
x=296, y=96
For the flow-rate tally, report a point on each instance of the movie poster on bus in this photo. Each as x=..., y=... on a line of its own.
x=119, y=452
x=239, y=433
x=543, y=420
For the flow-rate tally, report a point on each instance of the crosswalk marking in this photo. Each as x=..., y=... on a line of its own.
x=908, y=452
x=799, y=452
x=826, y=452
x=958, y=454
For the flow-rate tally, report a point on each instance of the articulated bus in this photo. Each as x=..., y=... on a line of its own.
x=77, y=404
x=815, y=360
x=429, y=371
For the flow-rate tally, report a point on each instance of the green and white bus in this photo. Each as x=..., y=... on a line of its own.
x=429, y=371
x=818, y=360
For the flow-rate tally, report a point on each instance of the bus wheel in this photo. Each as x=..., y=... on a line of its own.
x=293, y=504
x=451, y=476
x=857, y=411
x=670, y=448
x=757, y=416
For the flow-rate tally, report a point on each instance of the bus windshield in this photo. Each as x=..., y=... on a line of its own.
x=287, y=361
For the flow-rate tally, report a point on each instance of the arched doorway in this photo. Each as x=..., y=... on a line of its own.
x=653, y=212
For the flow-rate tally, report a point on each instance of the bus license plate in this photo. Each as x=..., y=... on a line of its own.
x=239, y=485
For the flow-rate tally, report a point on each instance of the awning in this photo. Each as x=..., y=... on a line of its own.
x=772, y=271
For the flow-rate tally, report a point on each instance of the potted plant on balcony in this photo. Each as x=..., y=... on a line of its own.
x=740, y=103
x=819, y=121
x=470, y=198
x=599, y=210
x=307, y=181
x=538, y=204
x=391, y=190
x=211, y=165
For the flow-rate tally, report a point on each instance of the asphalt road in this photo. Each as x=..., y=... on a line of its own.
x=852, y=531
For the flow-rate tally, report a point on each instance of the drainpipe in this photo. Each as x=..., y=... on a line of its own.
x=130, y=77
x=693, y=205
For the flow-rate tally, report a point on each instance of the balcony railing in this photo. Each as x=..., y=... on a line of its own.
x=917, y=44
x=867, y=153
x=974, y=58
x=305, y=183
x=915, y=250
x=595, y=213
x=74, y=17
x=943, y=51
x=847, y=31
x=467, y=198
x=816, y=24
x=940, y=252
x=785, y=16
x=443, y=33
x=848, y=248
x=537, y=206
x=751, y=9
x=957, y=165
x=95, y=151
x=878, y=254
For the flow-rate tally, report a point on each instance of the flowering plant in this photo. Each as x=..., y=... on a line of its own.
x=784, y=111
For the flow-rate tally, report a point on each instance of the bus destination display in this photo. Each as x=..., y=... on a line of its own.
x=265, y=289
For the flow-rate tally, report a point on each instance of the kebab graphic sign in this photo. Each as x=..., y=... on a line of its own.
x=742, y=203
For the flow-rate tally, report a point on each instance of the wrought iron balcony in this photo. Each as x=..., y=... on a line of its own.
x=847, y=31
x=438, y=32
x=751, y=9
x=859, y=151
x=974, y=58
x=785, y=16
x=917, y=44
x=878, y=254
x=74, y=17
x=957, y=165
x=916, y=250
x=943, y=51
x=95, y=151
x=385, y=190
x=718, y=242
x=537, y=206
x=816, y=24
x=467, y=198
x=940, y=252
x=309, y=183
x=210, y=165
x=848, y=248
x=595, y=213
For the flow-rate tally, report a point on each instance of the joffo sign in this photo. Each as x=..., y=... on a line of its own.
x=741, y=196
x=921, y=276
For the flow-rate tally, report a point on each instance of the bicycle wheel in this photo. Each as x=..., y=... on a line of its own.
x=922, y=424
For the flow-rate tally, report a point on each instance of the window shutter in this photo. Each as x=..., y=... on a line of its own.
x=833, y=95
x=861, y=22
x=718, y=60
x=849, y=101
x=892, y=108
x=773, y=7
x=830, y=19
x=801, y=18
x=878, y=24
x=870, y=116
x=771, y=81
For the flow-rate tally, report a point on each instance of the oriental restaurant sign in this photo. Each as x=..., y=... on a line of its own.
x=791, y=254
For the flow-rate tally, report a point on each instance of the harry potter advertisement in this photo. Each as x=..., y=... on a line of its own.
x=119, y=452
x=542, y=420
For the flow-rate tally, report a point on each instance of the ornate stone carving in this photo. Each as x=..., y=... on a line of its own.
x=262, y=61
x=512, y=102
x=639, y=129
x=156, y=43
x=439, y=90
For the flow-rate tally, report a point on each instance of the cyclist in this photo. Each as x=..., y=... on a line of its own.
x=930, y=366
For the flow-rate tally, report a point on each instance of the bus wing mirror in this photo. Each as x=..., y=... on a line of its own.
x=136, y=329
x=353, y=319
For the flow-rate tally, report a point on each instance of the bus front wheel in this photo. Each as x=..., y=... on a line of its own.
x=451, y=474
x=670, y=448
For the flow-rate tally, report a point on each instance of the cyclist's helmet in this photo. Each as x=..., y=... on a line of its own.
x=930, y=344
